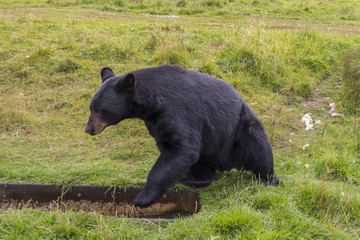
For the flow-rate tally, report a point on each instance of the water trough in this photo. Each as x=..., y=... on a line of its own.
x=113, y=201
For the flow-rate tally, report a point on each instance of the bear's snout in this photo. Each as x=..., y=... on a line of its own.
x=95, y=125
x=89, y=129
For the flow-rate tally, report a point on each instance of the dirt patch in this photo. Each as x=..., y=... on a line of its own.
x=316, y=102
x=106, y=208
x=113, y=201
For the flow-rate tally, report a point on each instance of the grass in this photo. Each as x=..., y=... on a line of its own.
x=285, y=9
x=351, y=85
x=286, y=58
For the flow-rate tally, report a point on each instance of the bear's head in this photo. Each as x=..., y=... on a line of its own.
x=112, y=101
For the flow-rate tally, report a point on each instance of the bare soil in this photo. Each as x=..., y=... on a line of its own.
x=107, y=208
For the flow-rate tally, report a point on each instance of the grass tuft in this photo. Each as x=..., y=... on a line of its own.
x=170, y=56
x=231, y=222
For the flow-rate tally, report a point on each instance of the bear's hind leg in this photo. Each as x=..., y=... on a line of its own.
x=256, y=156
x=267, y=177
x=200, y=175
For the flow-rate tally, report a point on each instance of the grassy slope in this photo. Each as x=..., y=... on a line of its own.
x=284, y=59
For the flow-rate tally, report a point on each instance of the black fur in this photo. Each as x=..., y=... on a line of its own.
x=200, y=123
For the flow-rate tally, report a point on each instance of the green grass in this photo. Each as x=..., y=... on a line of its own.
x=286, y=58
x=328, y=10
x=351, y=83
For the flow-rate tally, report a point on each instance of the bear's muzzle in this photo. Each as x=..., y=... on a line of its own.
x=95, y=125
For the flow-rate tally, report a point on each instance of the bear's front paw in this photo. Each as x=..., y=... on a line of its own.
x=145, y=200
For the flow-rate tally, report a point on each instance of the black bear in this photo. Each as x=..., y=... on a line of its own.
x=200, y=124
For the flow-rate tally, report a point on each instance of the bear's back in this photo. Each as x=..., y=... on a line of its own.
x=178, y=81
x=204, y=103
x=199, y=94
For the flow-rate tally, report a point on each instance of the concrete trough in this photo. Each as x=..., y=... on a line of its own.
x=113, y=201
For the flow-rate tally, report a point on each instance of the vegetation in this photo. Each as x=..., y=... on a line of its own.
x=286, y=58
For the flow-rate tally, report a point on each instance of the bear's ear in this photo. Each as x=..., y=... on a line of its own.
x=129, y=82
x=106, y=73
